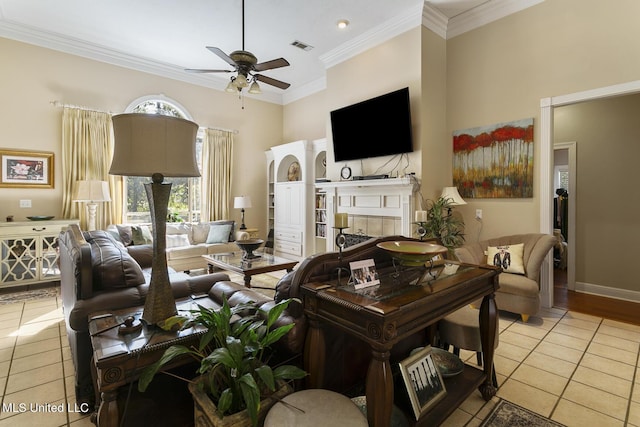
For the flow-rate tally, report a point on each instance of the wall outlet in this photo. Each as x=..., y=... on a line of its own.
x=25, y=203
x=479, y=214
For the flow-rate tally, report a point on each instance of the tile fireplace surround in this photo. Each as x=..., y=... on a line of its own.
x=378, y=207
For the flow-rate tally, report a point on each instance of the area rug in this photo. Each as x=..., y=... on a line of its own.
x=507, y=414
x=31, y=295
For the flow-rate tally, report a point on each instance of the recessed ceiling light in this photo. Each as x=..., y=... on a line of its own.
x=342, y=24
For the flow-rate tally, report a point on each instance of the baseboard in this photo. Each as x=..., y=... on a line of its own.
x=607, y=291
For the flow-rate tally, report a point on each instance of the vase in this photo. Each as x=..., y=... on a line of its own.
x=205, y=411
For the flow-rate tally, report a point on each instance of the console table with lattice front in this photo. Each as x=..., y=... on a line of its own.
x=28, y=251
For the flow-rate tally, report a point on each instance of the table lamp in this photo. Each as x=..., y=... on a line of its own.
x=242, y=202
x=92, y=192
x=156, y=146
x=451, y=193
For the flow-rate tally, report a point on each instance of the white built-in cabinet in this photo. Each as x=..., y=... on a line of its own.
x=29, y=251
x=292, y=170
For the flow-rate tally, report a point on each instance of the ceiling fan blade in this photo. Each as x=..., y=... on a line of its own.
x=196, y=70
x=270, y=65
x=222, y=55
x=270, y=81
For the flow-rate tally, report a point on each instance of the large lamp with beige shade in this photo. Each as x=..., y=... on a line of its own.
x=156, y=146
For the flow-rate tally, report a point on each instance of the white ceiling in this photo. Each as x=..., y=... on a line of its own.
x=165, y=36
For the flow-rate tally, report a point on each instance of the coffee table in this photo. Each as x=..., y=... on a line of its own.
x=248, y=267
x=119, y=359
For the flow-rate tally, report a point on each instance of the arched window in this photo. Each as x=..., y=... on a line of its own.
x=184, y=203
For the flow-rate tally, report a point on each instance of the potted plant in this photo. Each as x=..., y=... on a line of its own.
x=443, y=225
x=234, y=371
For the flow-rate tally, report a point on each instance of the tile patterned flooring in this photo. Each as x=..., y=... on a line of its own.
x=573, y=368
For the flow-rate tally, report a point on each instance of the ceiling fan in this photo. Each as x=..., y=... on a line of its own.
x=246, y=64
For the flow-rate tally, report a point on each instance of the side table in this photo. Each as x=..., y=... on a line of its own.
x=119, y=359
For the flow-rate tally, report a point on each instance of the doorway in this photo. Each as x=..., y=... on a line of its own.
x=564, y=210
x=546, y=168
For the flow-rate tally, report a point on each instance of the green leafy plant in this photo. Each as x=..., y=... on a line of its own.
x=174, y=217
x=443, y=225
x=233, y=356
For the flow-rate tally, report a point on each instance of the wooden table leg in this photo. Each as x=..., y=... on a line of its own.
x=210, y=268
x=247, y=280
x=379, y=389
x=314, y=355
x=108, y=412
x=488, y=322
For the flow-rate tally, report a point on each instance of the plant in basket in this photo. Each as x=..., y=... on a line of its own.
x=233, y=356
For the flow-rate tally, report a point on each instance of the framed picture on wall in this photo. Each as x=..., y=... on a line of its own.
x=423, y=381
x=26, y=169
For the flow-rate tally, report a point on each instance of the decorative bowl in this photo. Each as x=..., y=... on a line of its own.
x=412, y=253
x=447, y=363
x=248, y=246
x=40, y=217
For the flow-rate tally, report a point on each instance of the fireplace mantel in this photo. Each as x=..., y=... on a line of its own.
x=391, y=198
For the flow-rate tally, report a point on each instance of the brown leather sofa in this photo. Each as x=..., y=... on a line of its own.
x=98, y=274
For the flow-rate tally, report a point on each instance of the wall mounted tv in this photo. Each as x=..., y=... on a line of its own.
x=379, y=126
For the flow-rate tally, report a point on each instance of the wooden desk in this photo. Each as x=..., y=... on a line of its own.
x=119, y=359
x=395, y=310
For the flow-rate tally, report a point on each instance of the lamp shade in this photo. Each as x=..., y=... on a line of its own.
x=452, y=194
x=242, y=202
x=92, y=191
x=147, y=144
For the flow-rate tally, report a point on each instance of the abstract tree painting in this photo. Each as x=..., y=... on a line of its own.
x=494, y=161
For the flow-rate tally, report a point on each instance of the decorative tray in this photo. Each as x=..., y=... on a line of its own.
x=40, y=217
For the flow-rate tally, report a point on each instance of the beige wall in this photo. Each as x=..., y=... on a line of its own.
x=34, y=76
x=607, y=139
x=501, y=71
x=387, y=67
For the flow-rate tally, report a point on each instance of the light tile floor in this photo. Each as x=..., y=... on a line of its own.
x=573, y=368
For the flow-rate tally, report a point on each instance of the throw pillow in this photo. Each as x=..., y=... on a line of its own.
x=176, y=240
x=509, y=257
x=141, y=235
x=219, y=233
x=112, y=266
x=232, y=230
x=200, y=233
x=126, y=236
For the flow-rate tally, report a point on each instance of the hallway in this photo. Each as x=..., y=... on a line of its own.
x=610, y=308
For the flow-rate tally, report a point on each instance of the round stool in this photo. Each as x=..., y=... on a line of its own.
x=321, y=408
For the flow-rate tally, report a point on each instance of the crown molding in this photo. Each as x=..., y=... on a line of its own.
x=305, y=90
x=82, y=48
x=485, y=14
x=373, y=37
x=435, y=20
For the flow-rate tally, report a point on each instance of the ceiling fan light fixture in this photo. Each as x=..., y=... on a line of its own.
x=241, y=81
x=255, y=88
x=231, y=87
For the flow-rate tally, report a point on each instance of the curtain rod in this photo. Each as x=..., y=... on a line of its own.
x=234, y=131
x=80, y=107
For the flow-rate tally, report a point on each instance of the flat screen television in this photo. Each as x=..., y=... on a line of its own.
x=379, y=126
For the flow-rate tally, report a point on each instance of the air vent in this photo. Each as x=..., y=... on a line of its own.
x=301, y=45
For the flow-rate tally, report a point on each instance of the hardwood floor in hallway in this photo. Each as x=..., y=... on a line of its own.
x=610, y=308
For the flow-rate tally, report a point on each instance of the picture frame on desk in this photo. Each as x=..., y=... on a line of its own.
x=423, y=381
x=26, y=169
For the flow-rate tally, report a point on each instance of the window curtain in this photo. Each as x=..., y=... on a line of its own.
x=87, y=150
x=217, y=155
